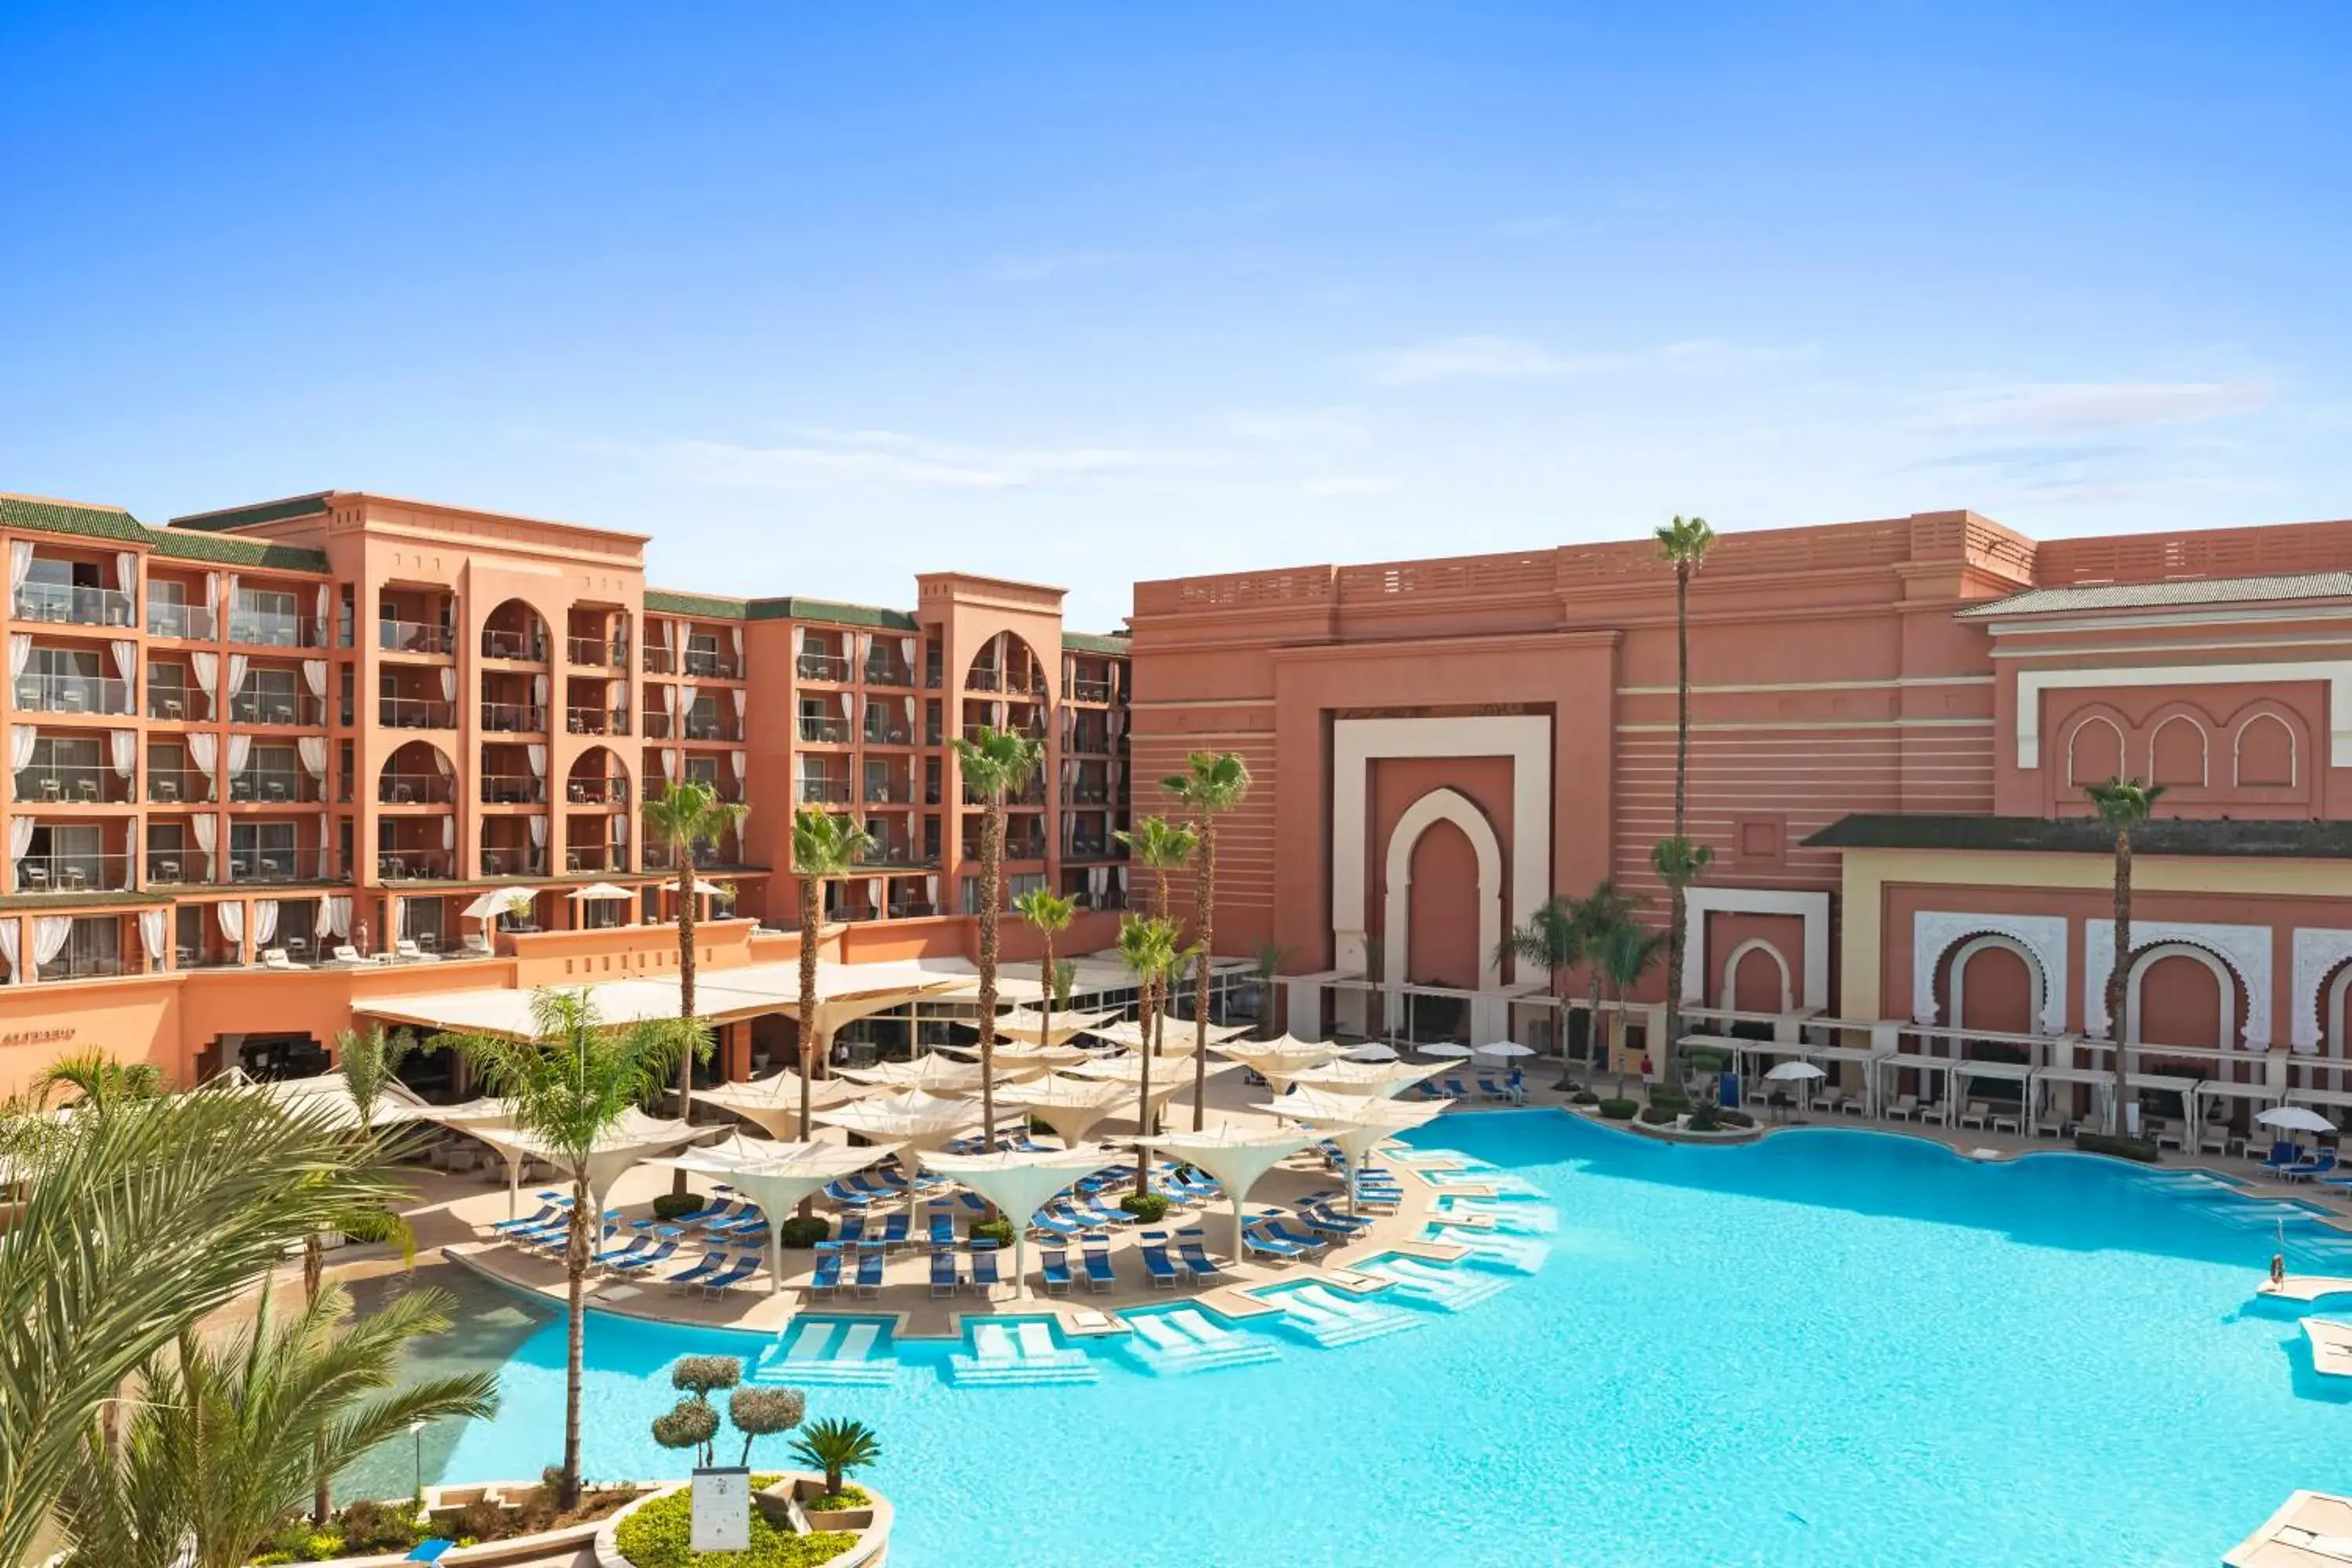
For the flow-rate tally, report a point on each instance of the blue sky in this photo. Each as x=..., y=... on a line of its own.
x=822, y=297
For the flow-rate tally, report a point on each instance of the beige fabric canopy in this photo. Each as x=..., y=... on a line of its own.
x=931, y=1074
x=923, y=1121
x=635, y=1137
x=1025, y=1025
x=603, y=892
x=777, y=1176
x=1020, y=1183
x=1070, y=1106
x=1019, y=1061
x=845, y=992
x=1279, y=1060
x=773, y=1103
x=1358, y=1123
x=1383, y=1079
x=1236, y=1154
x=1180, y=1032
x=327, y=1095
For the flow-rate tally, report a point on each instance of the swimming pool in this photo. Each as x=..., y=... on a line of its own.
x=1830, y=1347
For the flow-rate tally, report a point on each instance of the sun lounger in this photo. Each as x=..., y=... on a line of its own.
x=1195, y=1257
x=713, y=1211
x=869, y=1271
x=1306, y=1241
x=894, y=1229
x=1904, y=1108
x=1156, y=1263
x=548, y=1213
x=2285, y=1153
x=2322, y=1162
x=745, y=1265
x=1457, y=1090
x=1063, y=1227
x=985, y=1275
x=826, y=1280
x=1975, y=1115
x=942, y=1231
x=638, y=1262
x=612, y=1255
x=1099, y=1274
x=1329, y=1221
x=1054, y=1272
x=710, y=1264
x=946, y=1279
x=1270, y=1245
x=1490, y=1089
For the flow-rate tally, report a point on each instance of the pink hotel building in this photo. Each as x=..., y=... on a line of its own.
x=237, y=738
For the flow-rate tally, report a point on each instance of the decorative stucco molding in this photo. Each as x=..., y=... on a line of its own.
x=2318, y=950
x=2337, y=673
x=1814, y=909
x=2245, y=948
x=1933, y=933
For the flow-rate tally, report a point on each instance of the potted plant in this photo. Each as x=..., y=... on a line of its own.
x=836, y=1445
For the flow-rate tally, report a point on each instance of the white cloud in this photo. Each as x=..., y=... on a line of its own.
x=1349, y=487
x=1491, y=358
x=2089, y=405
x=883, y=458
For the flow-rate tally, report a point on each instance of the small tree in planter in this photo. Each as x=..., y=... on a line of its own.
x=836, y=1445
x=690, y=1424
x=759, y=1412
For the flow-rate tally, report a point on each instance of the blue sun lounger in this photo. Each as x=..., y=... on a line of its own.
x=1062, y=1227
x=1194, y=1255
x=688, y=1278
x=1270, y=1245
x=1306, y=1241
x=638, y=1262
x=2285, y=1153
x=894, y=1229
x=611, y=1254
x=826, y=1280
x=1054, y=1269
x=1156, y=1261
x=984, y=1277
x=711, y=1212
x=746, y=1264
x=942, y=1231
x=2321, y=1163
x=870, y=1270
x=1099, y=1274
x=946, y=1279
x=549, y=1212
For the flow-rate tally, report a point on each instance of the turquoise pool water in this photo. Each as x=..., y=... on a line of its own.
x=1835, y=1347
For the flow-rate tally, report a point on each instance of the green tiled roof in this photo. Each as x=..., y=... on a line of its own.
x=224, y=551
x=2279, y=838
x=662, y=602
x=259, y=513
x=711, y=606
x=57, y=517
x=1090, y=642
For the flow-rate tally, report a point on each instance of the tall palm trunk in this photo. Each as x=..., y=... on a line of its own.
x=685, y=962
x=1206, y=904
x=575, y=1341
x=812, y=908
x=322, y=1490
x=2116, y=975
x=1144, y=1014
x=991, y=863
x=1678, y=920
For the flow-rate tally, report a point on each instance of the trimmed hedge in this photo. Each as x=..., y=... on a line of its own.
x=1149, y=1207
x=2140, y=1149
x=1618, y=1110
x=1585, y=1097
x=670, y=1205
x=1658, y=1116
x=798, y=1233
x=1735, y=1118
x=659, y=1535
x=999, y=1231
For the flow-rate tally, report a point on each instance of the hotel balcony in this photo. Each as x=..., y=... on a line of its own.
x=887, y=670
x=416, y=713
x=395, y=635
x=258, y=704
x=714, y=727
x=590, y=855
x=515, y=632
x=596, y=652
x=507, y=848
x=888, y=789
x=514, y=718
x=888, y=724
x=416, y=773
x=99, y=694
x=66, y=603
x=658, y=659
x=274, y=786
x=596, y=720
x=825, y=667
x=590, y=785
x=175, y=785
x=48, y=782
x=819, y=730
x=419, y=865
x=655, y=725
x=895, y=849
x=709, y=664
x=514, y=789
x=167, y=619
x=821, y=791
x=255, y=624
x=261, y=862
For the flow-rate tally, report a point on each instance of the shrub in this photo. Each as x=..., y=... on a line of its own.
x=1673, y=1099
x=1705, y=1119
x=481, y=1519
x=2140, y=1149
x=691, y=1424
x=797, y=1232
x=370, y=1526
x=1585, y=1097
x=669, y=1206
x=1618, y=1110
x=757, y=1412
x=703, y=1375
x=1149, y=1207
x=999, y=1230
x=1658, y=1116
x=836, y=1445
x=848, y=1497
x=1735, y=1118
x=319, y=1548
x=274, y=1559
x=660, y=1535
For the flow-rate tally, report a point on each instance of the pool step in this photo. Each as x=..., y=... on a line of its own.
x=1433, y=1285
x=1332, y=1318
x=1498, y=1251
x=1020, y=1354
x=1185, y=1340
x=1520, y=1219
x=827, y=1351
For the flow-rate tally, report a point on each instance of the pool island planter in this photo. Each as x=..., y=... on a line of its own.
x=782, y=1499
x=514, y=1549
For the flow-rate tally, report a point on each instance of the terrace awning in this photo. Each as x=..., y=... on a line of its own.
x=1070, y=1106
x=635, y=1137
x=1237, y=1154
x=1178, y=1036
x=931, y=1074
x=845, y=992
x=1279, y=1060
x=777, y=1176
x=1357, y=1123
x=923, y=1121
x=1020, y=1183
x=1025, y=1024
x=773, y=1103
x=1385, y=1080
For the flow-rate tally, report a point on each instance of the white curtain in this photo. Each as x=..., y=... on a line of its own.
x=743, y=701
x=20, y=844
x=1119, y=872
x=736, y=633
x=669, y=700
x=49, y=934
x=676, y=766
x=232, y=920
x=910, y=716
x=125, y=744
x=621, y=697
x=265, y=922
x=735, y=764
x=661, y=760
x=335, y=914
x=126, y=571
x=685, y=696
x=931, y=891
x=539, y=833
x=538, y=689
x=442, y=764
x=204, y=749
x=206, y=829
x=206, y=667
x=237, y=664
x=314, y=676
x=8, y=926
x=230, y=604
x=538, y=755
x=323, y=602
x=22, y=739
x=126, y=664
x=848, y=705
x=313, y=750
x=20, y=566
x=241, y=752
x=213, y=590
x=20, y=653
x=448, y=833
x=448, y=683
x=621, y=831
x=155, y=932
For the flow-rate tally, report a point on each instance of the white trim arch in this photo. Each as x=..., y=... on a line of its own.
x=2204, y=748
x=1812, y=908
x=2336, y=989
x=2038, y=992
x=2238, y=751
x=2074, y=737
x=1441, y=804
x=1730, y=977
x=2318, y=950
x=2245, y=948
x=2150, y=955
x=2043, y=938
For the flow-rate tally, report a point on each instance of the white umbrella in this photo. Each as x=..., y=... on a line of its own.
x=1454, y=1051
x=1236, y=1156
x=599, y=890
x=1371, y=1051
x=1792, y=1072
x=1020, y=1183
x=2296, y=1119
x=1505, y=1049
x=777, y=1176
x=1386, y=1079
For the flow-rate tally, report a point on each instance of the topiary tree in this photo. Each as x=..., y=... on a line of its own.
x=691, y=1424
x=704, y=1375
x=759, y=1412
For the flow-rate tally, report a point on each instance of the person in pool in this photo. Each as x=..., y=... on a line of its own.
x=2278, y=1269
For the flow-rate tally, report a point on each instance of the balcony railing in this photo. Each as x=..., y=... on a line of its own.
x=596, y=857
x=1023, y=848
x=72, y=873
x=528, y=646
x=892, y=852
x=597, y=722
x=830, y=731
x=413, y=637
x=821, y=792
x=889, y=792
x=513, y=860
x=416, y=713
x=279, y=865
x=886, y=735
x=1035, y=731
x=514, y=789
x=273, y=785
x=659, y=661
x=656, y=726
x=822, y=666
x=1085, y=691
x=1089, y=848
x=514, y=718
x=76, y=964
x=66, y=782
x=890, y=672
x=655, y=857
x=175, y=704
x=277, y=708
x=411, y=865
x=415, y=789
x=597, y=792
x=718, y=730
x=714, y=665
x=1085, y=795
x=273, y=628
x=177, y=786
x=595, y=651
x=1089, y=741
x=185, y=864
x=165, y=619
x=73, y=694
x=63, y=602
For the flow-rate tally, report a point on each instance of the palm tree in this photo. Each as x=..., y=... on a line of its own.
x=836, y=1445
x=1146, y=944
x=569, y=1082
x=1563, y=933
x=1163, y=847
x=1051, y=913
x=823, y=847
x=227, y=1433
x=993, y=766
x=2123, y=804
x=98, y=1080
x=1621, y=954
x=1681, y=544
x=1271, y=956
x=686, y=813
x=78, y=1317
x=1212, y=783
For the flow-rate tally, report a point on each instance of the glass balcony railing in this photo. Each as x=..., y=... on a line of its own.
x=1085, y=691
x=416, y=713
x=174, y=703
x=65, y=602
x=273, y=628
x=177, y=786
x=277, y=708
x=413, y=865
x=725, y=730
x=821, y=792
x=514, y=789
x=273, y=787
x=170, y=866
x=514, y=718
x=886, y=734
x=73, y=694
x=595, y=651
x=659, y=661
x=77, y=963
x=73, y=873
x=415, y=789
x=656, y=726
x=596, y=857
x=165, y=619
x=414, y=637
x=597, y=792
x=822, y=666
x=597, y=722
x=513, y=860
x=889, y=792
x=279, y=866
x=829, y=732
x=888, y=672
x=528, y=646
x=715, y=666
x=72, y=783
